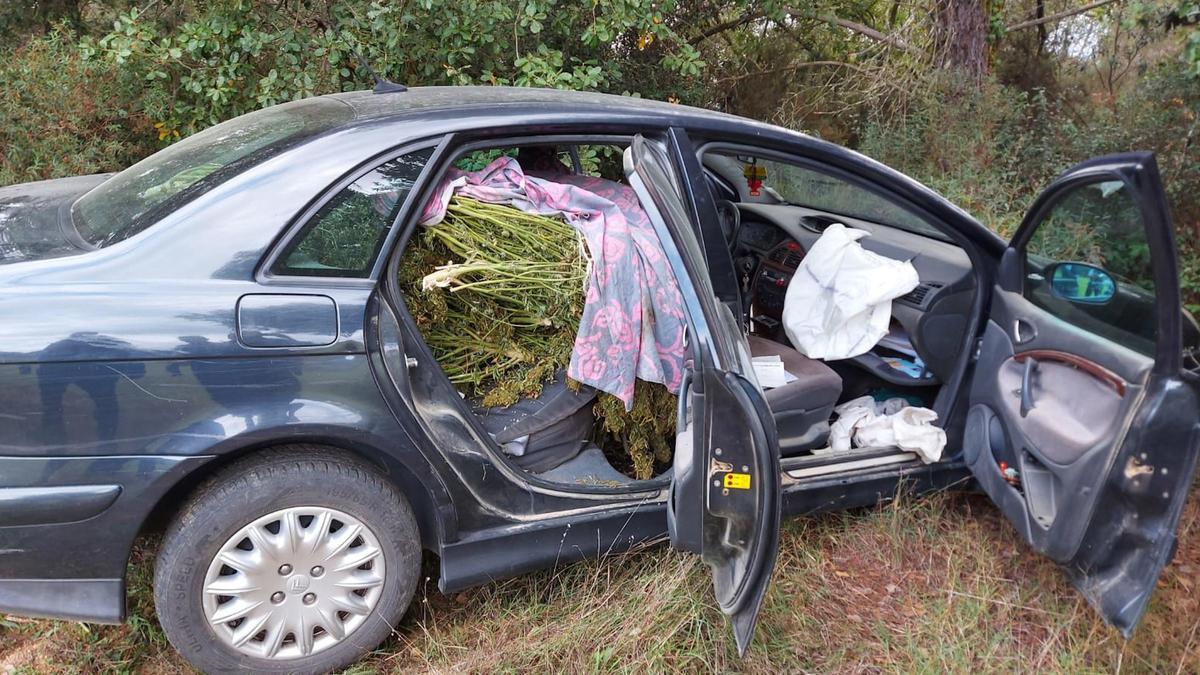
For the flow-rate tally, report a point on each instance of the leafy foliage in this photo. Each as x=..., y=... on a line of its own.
x=233, y=56
x=62, y=115
x=644, y=435
x=497, y=294
x=22, y=16
x=993, y=150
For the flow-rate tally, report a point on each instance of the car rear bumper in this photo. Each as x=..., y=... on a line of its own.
x=67, y=525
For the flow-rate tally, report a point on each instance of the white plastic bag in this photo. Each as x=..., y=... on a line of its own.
x=839, y=302
x=864, y=423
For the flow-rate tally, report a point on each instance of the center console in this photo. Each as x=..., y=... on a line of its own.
x=771, y=281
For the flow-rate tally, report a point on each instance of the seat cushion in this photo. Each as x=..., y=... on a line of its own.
x=545, y=431
x=801, y=408
x=816, y=384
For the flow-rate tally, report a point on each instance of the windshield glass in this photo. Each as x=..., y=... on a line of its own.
x=141, y=195
x=804, y=187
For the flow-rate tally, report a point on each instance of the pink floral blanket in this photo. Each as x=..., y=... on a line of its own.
x=633, y=323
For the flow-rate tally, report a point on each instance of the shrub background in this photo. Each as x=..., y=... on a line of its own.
x=93, y=86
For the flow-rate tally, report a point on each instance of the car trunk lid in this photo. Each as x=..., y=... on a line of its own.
x=35, y=219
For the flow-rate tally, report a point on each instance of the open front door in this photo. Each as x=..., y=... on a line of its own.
x=725, y=500
x=1083, y=424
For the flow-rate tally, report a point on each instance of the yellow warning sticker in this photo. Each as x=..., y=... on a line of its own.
x=737, y=481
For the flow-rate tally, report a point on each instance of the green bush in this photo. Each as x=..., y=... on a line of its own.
x=120, y=83
x=214, y=61
x=64, y=115
x=991, y=150
x=131, y=81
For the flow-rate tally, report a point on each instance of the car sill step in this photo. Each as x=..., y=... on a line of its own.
x=851, y=465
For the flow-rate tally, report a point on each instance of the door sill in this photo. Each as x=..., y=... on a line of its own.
x=824, y=465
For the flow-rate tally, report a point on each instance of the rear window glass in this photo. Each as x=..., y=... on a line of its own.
x=141, y=195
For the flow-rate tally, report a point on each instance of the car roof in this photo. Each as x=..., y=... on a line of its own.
x=368, y=105
x=463, y=102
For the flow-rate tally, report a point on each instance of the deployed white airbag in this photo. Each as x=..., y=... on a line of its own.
x=839, y=301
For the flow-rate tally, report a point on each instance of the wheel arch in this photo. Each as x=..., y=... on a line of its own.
x=430, y=503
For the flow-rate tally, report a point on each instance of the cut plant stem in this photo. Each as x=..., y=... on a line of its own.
x=498, y=295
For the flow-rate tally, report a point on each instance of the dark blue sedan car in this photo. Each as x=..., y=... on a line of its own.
x=213, y=342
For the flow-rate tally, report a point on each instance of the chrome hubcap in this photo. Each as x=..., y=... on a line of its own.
x=293, y=583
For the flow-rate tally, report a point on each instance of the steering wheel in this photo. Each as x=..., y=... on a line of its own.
x=731, y=221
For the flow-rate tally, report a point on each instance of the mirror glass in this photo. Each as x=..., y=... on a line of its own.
x=1083, y=283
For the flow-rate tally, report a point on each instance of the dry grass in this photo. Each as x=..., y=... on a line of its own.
x=936, y=584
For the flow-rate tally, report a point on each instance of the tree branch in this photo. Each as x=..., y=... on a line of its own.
x=719, y=28
x=852, y=26
x=790, y=68
x=1058, y=15
x=860, y=28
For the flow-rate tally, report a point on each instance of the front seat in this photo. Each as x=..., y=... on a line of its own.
x=801, y=408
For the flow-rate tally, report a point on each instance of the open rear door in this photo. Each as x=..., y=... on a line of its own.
x=725, y=499
x=1083, y=423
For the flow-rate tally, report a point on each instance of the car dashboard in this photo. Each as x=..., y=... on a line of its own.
x=929, y=322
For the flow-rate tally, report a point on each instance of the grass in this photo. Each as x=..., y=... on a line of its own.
x=929, y=585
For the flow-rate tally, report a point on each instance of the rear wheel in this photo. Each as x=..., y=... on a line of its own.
x=292, y=561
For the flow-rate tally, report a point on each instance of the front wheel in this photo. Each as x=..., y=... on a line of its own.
x=293, y=561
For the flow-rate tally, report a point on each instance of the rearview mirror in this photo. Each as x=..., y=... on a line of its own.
x=1081, y=283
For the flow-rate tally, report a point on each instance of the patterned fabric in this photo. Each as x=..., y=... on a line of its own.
x=633, y=323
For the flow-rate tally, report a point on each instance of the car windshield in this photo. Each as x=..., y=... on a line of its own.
x=804, y=187
x=141, y=195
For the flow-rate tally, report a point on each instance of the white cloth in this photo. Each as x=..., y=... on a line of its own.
x=866, y=423
x=839, y=301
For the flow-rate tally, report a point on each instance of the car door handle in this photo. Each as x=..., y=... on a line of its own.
x=681, y=407
x=1024, y=331
x=1027, y=385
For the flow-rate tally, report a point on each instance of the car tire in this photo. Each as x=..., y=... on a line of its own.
x=292, y=509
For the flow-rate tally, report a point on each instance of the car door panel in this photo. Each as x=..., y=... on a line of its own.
x=725, y=495
x=1030, y=327
x=731, y=494
x=1074, y=412
x=1063, y=471
x=1080, y=385
x=1085, y=436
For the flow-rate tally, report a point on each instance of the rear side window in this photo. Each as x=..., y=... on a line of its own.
x=343, y=239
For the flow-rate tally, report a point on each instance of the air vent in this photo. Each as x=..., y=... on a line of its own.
x=816, y=224
x=787, y=255
x=920, y=294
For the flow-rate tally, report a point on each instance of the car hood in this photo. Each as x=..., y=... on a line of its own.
x=35, y=219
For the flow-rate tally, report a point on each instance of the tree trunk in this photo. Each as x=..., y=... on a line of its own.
x=962, y=36
x=1041, y=39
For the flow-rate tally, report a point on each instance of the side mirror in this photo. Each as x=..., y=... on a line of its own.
x=1081, y=283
